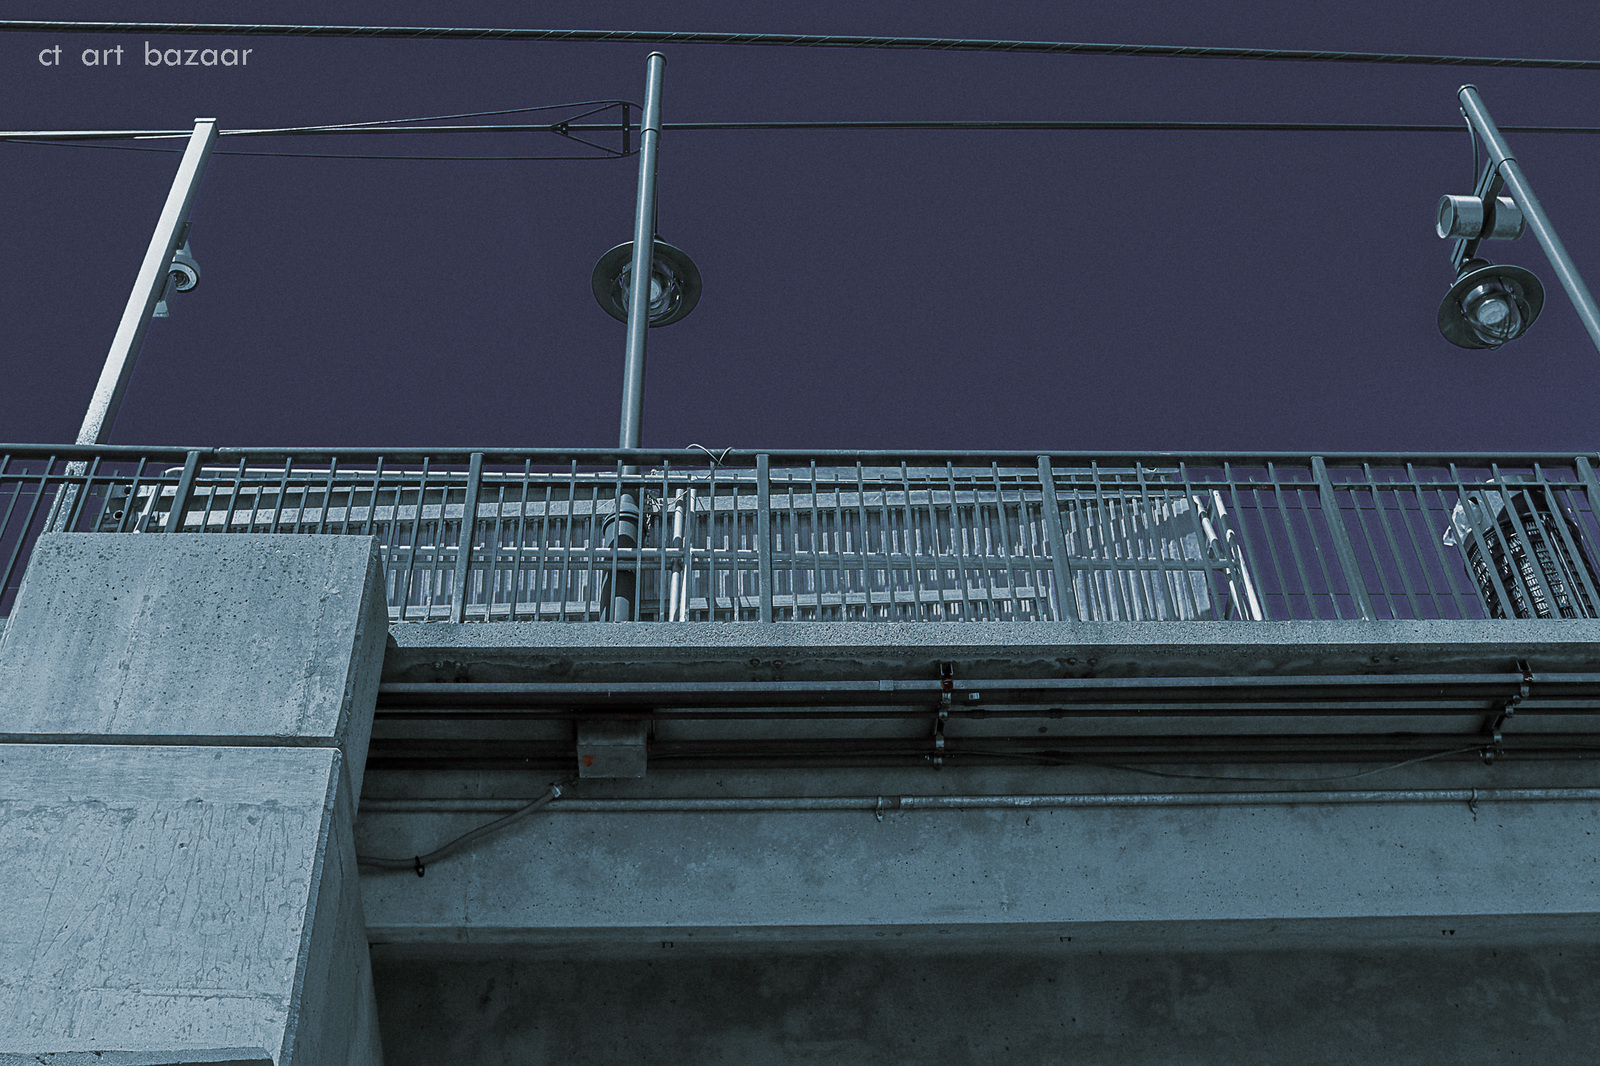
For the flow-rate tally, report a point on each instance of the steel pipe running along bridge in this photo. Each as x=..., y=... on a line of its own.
x=902, y=536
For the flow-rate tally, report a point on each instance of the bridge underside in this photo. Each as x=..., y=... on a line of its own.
x=919, y=842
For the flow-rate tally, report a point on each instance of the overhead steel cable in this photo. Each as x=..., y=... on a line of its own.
x=788, y=40
x=42, y=136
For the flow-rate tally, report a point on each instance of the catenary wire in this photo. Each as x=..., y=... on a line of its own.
x=607, y=153
x=73, y=139
x=788, y=40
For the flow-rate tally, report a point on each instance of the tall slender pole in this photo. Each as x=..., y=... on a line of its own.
x=1500, y=156
x=148, y=286
x=644, y=246
x=621, y=595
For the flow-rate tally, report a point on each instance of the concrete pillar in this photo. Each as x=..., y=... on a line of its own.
x=183, y=724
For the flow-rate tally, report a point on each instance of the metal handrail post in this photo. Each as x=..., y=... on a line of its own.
x=764, y=535
x=622, y=601
x=469, y=526
x=1538, y=221
x=1050, y=507
x=1348, y=564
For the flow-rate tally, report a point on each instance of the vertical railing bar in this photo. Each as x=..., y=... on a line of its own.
x=886, y=541
x=180, y=499
x=567, y=545
x=664, y=523
x=280, y=495
x=539, y=573
x=1429, y=589
x=133, y=498
x=1208, y=565
x=792, y=521
x=372, y=507
x=75, y=513
x=1591, y=489
x=1527, y=542
x=639, y=543
x=1066, y=596
x=491, y=571
x=958, y=541
x=521, y=536
x=911, y=541
x=818, y=541
x=864, y=545
x=1528, y=551
x=936, y=552
x=1394, y=544
x=1158, y=547
x=1328, y=505
x=1289, y=535
x=1108, y=545
x=33, y=510
x=327, y=494
x=436, y=559
x=839, y=541
x=1251, y=559
x=130, y=518
x=238, y=495
x=1005, y=539
x=416, y=535
x=349, y=503
x=593, y=574
x=27, y=523
x=1346, y=547
x=1446, y=567
x=1558, y=515
x=764, y=534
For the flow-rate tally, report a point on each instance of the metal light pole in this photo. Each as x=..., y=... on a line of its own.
x=622, y=602
x=644, y=246
x=1502, y=161
x=148, y=286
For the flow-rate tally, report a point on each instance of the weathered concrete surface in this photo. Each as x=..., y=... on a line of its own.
x=577, y=651
x=190, y=717
x=204, y=1057
x=1214, y=876
x=176, y=896
x=188, y=638
x=1474, y=1007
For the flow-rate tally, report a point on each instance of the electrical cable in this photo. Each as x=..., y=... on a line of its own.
x=788, y=40
x=357, y=127
x=420, y=863
x=1067, y=760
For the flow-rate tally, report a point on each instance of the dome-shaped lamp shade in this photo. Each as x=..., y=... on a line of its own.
x=674, y=283
x=1489, y=305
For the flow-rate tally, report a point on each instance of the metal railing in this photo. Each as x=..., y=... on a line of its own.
x=775, y=536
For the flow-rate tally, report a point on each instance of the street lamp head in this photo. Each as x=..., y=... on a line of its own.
x=674, y=283
x=1489, y=305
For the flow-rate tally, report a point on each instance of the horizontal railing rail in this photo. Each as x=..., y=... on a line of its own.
x=692, y=535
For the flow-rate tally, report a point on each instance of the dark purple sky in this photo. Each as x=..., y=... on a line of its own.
x=1050, y=290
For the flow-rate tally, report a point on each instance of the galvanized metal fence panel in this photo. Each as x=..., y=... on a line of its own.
x=534, y=535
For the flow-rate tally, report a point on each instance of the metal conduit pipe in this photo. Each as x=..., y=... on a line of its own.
x=880, y=804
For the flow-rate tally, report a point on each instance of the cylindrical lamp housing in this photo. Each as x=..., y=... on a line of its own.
x=1462, y=218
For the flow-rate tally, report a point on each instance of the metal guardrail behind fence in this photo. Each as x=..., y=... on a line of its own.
x=873, y=536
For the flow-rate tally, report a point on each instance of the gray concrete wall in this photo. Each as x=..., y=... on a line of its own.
x=1237, y=876
x=1464, y=1007
x=180, y=714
